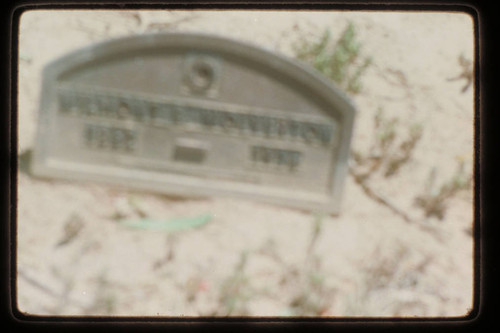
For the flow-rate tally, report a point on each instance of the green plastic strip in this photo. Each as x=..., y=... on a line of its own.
x=171, y=225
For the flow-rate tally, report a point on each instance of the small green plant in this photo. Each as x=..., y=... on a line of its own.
x=72, y=227
x=316, y=232
x=467, y=73
x=434, y=201
x=381, y=270
x=104, y=302
x=235, y=292
x=313, y=299
x=128, y=206
x=405, y=150
x=386, y=153
x=341, y=62
x=313, y=295
x=393, y=269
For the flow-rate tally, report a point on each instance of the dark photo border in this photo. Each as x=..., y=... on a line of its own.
x=486, y=279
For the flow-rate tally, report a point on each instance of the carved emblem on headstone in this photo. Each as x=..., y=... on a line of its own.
x=201, y=75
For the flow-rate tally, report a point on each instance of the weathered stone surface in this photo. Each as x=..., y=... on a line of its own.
x=195, y=115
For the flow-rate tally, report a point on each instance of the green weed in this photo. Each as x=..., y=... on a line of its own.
x=105, y=299
x=235, y=291
x=387, y=153
x=467, y=73
x=342, y=62
x=434, y=201
x=313, y=296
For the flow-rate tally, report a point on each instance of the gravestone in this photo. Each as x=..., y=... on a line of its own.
x=190, y=114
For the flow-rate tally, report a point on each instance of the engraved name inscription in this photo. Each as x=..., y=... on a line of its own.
x=119, y=106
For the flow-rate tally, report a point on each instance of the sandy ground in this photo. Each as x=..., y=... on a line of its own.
x=366, y=262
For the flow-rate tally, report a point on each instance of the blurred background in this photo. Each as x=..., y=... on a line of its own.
x=401, y=246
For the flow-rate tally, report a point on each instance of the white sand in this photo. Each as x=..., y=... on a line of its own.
x=372, y=261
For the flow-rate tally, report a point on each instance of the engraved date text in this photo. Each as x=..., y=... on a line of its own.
x=109, y=138
x=272, y=157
